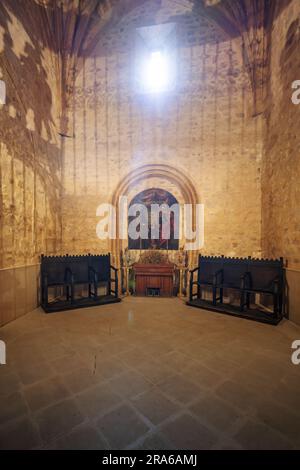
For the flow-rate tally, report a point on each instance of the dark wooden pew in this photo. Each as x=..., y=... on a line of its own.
x=64, y=273
x=246, y=276
x=208, y=272
x=264, y=277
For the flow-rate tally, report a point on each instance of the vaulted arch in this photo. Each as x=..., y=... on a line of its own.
x=144, y=173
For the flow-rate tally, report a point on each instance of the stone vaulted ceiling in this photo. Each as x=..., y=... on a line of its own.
x=71, y=29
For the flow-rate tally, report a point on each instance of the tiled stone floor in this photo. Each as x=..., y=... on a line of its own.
x=148, y=374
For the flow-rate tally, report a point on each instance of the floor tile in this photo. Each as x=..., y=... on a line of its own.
x=21, y=434
x=179, y=388
x=12, y=406
x=215, y=412
x=130, y=384
x=155, y=406
x=185, y=432
x=97, y=400
x=255, y=436
x=83, y=437
x=58, y=419
x=122, y=426
x=45, y=393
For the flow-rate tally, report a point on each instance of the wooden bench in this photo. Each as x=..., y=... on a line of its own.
x=64, y=273
x=246, y=276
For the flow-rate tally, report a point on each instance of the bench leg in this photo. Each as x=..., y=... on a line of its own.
x=191, y=286
x=248, y=300
x=275, y=301
x=221, y=295
x=45, y=295
x=116, y=287
x=191, y=291
x=214, y=296
x=280, y=304
x=242, y=301
x=245, y=301
x=198, y=291
x=72, y=293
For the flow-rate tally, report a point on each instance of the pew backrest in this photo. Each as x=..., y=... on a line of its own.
x=234, y=270
x=208, y=267
x=53, y=269
x=58, y=270
x=259, y=274
x=78, y=267
x=101, y=265
x=263, y=273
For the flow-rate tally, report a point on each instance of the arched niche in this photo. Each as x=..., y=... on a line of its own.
x=153, y=175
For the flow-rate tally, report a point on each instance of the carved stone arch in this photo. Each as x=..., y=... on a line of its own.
x=162, y=171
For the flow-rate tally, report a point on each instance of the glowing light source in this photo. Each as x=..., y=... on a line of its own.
x=156, y=75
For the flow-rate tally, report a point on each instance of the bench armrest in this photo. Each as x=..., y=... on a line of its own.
x=192, y=271
x=115, y=270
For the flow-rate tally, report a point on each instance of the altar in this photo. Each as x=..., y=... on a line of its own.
x=154, y=279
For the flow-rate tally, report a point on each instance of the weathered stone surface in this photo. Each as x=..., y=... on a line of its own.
x=30, y=146
x=204, y=129
x=230, y=127
x=281, y=163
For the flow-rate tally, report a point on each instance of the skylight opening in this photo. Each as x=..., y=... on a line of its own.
x=156, y=76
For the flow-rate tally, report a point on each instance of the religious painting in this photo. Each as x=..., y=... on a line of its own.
x=148, y=198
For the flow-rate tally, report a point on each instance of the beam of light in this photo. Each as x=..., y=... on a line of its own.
x=156, y=76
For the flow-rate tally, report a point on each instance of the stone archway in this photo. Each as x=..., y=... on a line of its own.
x=145, y=172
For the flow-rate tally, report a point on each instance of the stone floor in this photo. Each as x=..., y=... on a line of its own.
x=148, y=374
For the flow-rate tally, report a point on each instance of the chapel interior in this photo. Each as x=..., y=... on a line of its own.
x=151, y=343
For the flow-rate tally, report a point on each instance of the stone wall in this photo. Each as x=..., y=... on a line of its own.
x=281, y=162
x=205, y=130
x=245, y=168
x=30, y=169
